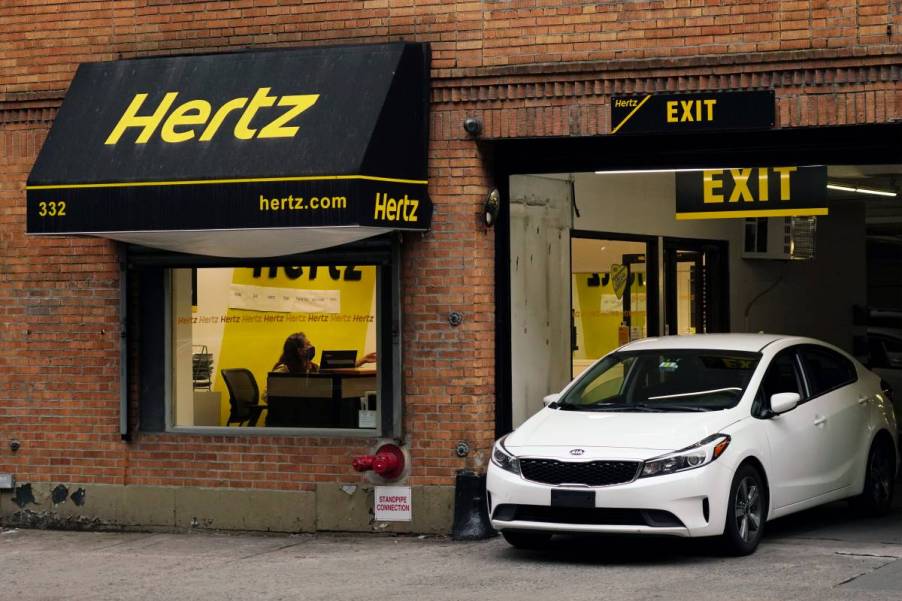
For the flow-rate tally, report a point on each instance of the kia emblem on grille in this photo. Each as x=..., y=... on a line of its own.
x=576, y=451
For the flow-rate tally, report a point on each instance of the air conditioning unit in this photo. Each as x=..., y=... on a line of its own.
x=782, y=238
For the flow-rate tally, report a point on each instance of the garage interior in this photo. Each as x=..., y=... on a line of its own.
x=598, y=258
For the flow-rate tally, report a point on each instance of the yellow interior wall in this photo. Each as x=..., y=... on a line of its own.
x=598, y=331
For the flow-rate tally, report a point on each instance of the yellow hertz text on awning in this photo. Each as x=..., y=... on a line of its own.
x=179, y=125
x=740, y=192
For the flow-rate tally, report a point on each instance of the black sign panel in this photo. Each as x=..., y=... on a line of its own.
x=751, y=192
x=285, y=138
x=700, y=111
x=392, y=204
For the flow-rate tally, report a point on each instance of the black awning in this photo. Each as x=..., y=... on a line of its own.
x=312, y=138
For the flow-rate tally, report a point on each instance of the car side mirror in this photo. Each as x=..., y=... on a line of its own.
x=784, y=401
x=551, y=398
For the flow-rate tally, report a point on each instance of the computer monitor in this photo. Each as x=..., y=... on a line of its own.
x=338, y=360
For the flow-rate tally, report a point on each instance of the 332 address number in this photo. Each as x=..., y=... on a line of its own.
x=53, y=208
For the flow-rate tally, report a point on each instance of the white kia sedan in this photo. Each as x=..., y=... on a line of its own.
x=709, y=435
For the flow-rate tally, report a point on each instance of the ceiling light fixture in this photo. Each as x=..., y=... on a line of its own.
x=681, y=170
x=640, y=171
x=841, y=188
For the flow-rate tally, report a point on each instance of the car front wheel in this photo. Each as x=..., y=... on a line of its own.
x=526, y=540
x=746, y=512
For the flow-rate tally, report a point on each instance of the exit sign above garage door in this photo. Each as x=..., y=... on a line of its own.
x=751, y=192
x=692, y=112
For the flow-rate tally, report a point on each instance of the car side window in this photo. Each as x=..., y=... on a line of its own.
x=782, y=375
x=826, y=369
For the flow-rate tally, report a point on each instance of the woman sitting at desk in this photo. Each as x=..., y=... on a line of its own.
x=297, y=356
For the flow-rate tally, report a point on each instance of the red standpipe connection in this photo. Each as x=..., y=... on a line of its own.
x=388, y=462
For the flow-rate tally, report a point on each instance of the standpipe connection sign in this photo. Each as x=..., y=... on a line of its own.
x=682, y=113
x=751, y=192
x=285, y=138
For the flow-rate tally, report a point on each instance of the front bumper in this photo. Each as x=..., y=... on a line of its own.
x=684, y=495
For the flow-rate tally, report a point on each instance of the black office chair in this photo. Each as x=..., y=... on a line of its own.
x=244, y=396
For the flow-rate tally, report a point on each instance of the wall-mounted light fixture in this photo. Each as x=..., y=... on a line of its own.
x=491, y=208
x=473, y=126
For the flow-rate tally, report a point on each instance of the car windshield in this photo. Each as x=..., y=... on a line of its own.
x=663, y=380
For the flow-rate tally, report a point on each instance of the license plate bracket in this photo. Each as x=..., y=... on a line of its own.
x=572, y=498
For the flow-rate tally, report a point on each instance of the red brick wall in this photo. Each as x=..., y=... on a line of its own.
x=41, y=41
x=59, y=303
x=526, y=67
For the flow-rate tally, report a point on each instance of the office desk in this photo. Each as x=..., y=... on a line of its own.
x=326, y=399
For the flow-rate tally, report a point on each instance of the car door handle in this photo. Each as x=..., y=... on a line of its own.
x=819, y=421
x=863, y=400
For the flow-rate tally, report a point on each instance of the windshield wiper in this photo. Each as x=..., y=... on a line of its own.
x=610, y=406
x=696, y=393
x=637, y=407
x=680, y=408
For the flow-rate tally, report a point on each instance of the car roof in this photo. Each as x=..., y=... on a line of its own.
x=728, y=342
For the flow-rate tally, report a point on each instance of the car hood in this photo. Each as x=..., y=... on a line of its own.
x=603, y=429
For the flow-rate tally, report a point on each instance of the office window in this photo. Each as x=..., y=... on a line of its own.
x=274, y=347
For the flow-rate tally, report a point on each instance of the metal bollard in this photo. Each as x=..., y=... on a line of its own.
x=471, y=517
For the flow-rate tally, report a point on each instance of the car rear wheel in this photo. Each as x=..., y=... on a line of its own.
x=526, y=540
x=879, y=481
x=746, y=512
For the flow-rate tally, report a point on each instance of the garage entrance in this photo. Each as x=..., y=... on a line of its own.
x=597, y=256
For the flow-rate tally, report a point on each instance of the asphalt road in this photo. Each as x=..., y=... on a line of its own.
x=823, y=554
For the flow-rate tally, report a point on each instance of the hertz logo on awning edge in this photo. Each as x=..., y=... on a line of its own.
x=193, y=113
x=395, y=209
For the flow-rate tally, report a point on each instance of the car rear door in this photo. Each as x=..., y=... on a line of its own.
x=799, y=469
x=842, y=411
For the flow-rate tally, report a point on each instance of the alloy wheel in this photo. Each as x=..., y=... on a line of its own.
x=747, y=509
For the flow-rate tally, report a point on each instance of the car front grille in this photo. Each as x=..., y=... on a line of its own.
x=590, y=473
x=592, y=516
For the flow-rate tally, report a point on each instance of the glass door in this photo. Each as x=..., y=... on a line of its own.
x=612, y=295
x=695, y=282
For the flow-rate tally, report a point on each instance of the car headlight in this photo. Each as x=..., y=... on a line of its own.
x=699, y=454
x=503, y=459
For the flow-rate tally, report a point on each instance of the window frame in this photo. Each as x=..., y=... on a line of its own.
x=153, y=315
x=765, y=410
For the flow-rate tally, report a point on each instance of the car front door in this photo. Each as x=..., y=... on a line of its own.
x=799, y=469
x=842, y=408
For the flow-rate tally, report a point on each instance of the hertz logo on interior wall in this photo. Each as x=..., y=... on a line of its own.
x=751, y=192
x=333, y=305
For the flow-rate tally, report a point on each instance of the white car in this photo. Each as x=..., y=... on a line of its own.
x=709, y=435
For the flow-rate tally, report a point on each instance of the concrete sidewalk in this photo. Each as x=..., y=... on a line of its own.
x=821, y=555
